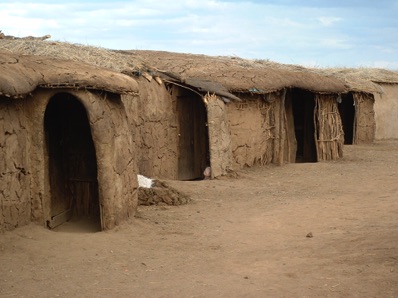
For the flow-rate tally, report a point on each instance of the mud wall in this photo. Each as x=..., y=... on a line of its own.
x=153, y=119
x=252, y=124
x=14, y=165
x=281, y=121
x=219, y=136
x=25, y=176
x=365, y=125
x=386, y=112
x=117, y=170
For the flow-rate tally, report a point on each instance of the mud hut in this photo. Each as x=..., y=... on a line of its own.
x=356, y=107
x=374, y=95
x=151, y=119
x=195, y=111
x=369, y=107
x=66, y=146
x=233, y=113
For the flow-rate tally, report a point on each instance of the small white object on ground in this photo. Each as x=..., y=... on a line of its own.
x=207, y=173
x=144, y=181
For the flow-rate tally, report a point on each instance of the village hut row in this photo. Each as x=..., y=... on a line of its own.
x=75, y=135
x=373, y=99
x=234, y=113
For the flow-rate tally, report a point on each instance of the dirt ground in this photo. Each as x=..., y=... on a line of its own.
x=239, y=237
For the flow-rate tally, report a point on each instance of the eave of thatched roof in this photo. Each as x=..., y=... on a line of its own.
x=22, y=74
x=235, y=75
x=362, y=79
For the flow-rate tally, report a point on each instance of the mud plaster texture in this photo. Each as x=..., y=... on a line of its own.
x=365, y=125
x=219, y=136
x=153, y=121
x=25, y=184
x=15, y=170
x=386, y=112
x=254, y=131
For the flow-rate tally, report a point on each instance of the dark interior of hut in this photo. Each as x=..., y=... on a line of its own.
x=303, y=103
x=72, y=163
x=347, y=114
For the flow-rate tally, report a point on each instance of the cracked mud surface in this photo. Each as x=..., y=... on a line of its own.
x=239, y=237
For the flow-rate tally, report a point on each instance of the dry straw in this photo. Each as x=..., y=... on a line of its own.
x=67, y=51
x=355, y=79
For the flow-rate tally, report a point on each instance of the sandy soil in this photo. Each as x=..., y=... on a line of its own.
x=240, y=237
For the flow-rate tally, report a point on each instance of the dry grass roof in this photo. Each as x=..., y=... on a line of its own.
x=96, y=56
x=235, y=74
x=362, y=79
x=223, y=74
x=240, y=75
x=22, y=74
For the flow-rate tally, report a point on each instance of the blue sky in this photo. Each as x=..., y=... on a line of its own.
x=321, y=33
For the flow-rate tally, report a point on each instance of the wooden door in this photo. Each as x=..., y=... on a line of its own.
x=193, y=137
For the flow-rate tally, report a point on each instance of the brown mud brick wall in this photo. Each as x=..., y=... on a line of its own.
x=14, y=165
x=153, y=122
x=251, y=132
x=219, y=136
x=365, y=125
x=386, y=112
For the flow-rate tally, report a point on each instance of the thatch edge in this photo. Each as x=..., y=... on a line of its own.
x=22, y=74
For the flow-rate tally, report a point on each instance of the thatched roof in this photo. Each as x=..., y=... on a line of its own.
x=22, y=74
x=96, y=56
x=235, y=75
x=362, y=79
x=221, y=75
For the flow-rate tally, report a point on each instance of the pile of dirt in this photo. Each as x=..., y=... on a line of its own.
x=161, y=194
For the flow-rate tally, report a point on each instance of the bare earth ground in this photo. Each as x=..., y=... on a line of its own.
x=240, y=237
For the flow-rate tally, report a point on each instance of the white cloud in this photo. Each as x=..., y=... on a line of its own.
x=381, y=64
x=328, y=21
x=386, y=49
x=335, y=43
x=285, y=22
x=300, y=34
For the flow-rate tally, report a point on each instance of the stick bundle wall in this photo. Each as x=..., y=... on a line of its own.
x=329, y=128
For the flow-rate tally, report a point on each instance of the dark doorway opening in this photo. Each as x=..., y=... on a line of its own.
x=303, y=104
x=193, y=145
x=72, y=164
x=347, y=114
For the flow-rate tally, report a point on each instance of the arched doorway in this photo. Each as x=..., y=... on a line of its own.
x=72, y=163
